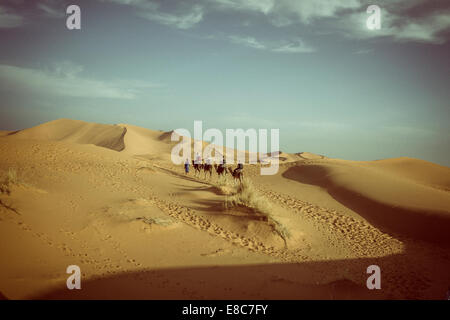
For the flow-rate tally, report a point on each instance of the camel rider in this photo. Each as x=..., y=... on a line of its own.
x=198, y=158
x=222, y=165
x=239, y=168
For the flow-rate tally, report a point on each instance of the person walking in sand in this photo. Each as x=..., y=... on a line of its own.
x=186, y=166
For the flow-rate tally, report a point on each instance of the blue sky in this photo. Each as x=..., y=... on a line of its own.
x=310, y=68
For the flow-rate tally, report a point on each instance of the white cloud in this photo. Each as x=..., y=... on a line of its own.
x=286, y=12
x=183, y=21
x=347, y=16
x=292, y=46
x=50, y=10
x=248, y=42
x=264, y=6
x=426, y=29
x=306, y=11
x=9, y=19
x=151, y=11
x=296, y=46
x=350, y=17
x=281, y=12
x=65, y=79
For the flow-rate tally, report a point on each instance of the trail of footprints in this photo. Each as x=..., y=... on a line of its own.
x=356, y=231
x=107, y=265
x=364, y=239
x=189, y=217
x=101, y=265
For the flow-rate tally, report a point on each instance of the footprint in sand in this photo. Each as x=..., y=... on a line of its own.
x=217, y=252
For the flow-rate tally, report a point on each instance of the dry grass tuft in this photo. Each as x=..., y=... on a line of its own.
x=7, y=179
x=247, y=196
x=224, y=186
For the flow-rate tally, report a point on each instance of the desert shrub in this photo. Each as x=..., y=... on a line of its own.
x=224, y=186
x=7, y=179
x=247, y=196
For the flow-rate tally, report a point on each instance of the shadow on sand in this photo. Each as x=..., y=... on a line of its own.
x=268, y=281
x=420, y=224
x=333, y=279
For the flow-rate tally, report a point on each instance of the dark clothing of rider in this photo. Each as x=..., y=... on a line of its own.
x=239, y=168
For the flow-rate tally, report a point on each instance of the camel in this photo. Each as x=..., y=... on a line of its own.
x=237, y=175
x=220, y=169
x=207, y=167
x=197, y=167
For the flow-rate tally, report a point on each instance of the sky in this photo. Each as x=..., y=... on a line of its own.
x=310, y=68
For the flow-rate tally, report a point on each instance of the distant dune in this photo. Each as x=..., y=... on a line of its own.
x=108, y=199
x=140, y=141
x=107, y=136
x=309, y=156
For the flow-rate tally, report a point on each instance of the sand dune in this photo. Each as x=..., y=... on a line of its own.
x=156, y=145
x=420, y=171
x=107, y=136
x=107, y=198
x=309, y=156
x=140, y=141
x=392, y=200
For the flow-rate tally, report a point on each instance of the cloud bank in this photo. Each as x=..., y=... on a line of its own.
x=9, y=19
x=65, y=79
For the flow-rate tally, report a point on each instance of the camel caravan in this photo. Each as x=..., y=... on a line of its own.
x=221, y=169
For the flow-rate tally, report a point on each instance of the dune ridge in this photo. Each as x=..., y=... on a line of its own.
x=76, y=131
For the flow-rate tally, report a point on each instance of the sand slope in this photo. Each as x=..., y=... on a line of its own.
x=75, y=131
x=395, y=200
x=419, y=171
x=107, y=198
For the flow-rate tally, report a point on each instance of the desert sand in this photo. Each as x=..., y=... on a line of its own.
x=108, y=199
